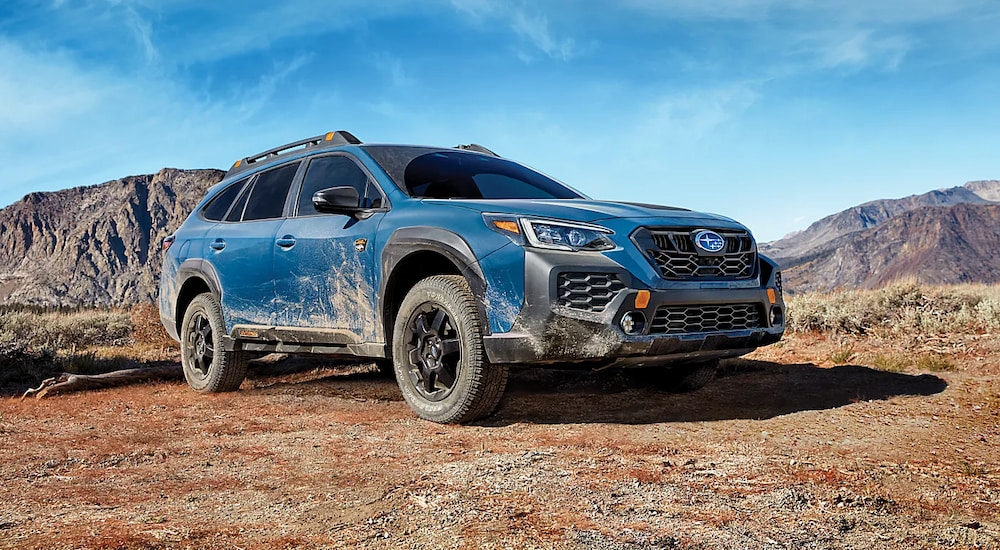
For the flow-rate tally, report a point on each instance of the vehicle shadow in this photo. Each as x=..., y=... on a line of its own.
x=743, y=389
x=750, y=390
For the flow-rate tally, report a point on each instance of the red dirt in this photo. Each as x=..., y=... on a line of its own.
x=786, y=451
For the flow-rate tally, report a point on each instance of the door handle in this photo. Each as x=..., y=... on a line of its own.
x=217, y=244
x=287, y=241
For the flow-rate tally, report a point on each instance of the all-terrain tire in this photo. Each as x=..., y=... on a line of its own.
x=689, y=377
x=440, y=364
x=208, y=367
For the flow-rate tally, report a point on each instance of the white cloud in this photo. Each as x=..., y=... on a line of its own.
x=391, y=68
x=855, y=11
x=862, y=48
x=42, y=90
x=531, y=26
x=535, y=28
x=254, y=99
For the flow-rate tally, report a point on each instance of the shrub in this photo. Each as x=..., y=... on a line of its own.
x=900, y=308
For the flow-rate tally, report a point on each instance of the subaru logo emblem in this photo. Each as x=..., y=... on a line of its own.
x=709, y=241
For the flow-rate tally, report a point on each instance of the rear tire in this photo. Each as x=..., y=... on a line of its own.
x=208, y=367
x=438, y=356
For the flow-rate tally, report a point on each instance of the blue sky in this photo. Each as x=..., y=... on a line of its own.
x=774, y=112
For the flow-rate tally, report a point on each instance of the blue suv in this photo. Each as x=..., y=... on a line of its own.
x=448, y=266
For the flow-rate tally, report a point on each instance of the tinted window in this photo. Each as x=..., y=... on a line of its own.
x=333, y=171
x=241, y=203
x=463, y=175
x=217, y=208
x=267, y=198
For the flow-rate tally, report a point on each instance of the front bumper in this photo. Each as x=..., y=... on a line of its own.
x=547, y=330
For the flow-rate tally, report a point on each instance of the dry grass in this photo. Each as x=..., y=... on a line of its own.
x=904, y=307
x=35, y=345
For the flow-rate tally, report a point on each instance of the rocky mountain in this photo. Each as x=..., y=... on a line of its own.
x=817, y=236
x=936, y=245
x=97, y=245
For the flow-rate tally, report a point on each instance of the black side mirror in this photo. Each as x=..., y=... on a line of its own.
x=337, y=200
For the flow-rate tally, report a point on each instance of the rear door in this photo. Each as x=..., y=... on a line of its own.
x=324, y=265
x=240, y=248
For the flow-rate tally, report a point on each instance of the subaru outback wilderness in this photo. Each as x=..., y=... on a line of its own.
x=449, y=265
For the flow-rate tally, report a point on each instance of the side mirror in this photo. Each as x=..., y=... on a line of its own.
x=337, y=200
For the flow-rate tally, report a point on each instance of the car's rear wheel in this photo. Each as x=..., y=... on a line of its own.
x=208, y=367
x=438, y=353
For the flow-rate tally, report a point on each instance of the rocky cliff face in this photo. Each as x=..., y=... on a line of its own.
x=871, y=214
x=936, y=245
x=843, y=251
x=97, y=245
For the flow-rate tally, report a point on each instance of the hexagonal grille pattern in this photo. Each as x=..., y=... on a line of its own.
x=677, y=258
x=588, y=291
x=705, y=318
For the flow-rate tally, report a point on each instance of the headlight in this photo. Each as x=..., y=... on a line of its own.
x=551, y=234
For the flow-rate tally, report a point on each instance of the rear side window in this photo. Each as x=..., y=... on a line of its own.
x=333, y=171
x=267, y=198
x=216, y=209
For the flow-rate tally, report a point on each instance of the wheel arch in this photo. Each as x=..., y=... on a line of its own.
x=196, y=277
x=415, y=253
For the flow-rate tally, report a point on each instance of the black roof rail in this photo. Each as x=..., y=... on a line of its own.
x=477, y=148
x=329, y=139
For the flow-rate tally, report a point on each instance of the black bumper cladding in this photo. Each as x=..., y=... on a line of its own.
x=576, y=315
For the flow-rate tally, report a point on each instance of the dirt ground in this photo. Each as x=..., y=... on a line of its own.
x=785, y=450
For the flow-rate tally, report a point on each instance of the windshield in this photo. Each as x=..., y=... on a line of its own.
x=449, y=174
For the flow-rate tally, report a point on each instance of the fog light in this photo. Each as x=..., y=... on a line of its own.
x=633, y=322
x=777, y=318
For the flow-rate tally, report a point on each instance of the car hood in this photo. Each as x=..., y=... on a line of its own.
x=591, y=211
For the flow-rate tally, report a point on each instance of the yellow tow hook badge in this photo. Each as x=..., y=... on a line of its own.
x=360, y=245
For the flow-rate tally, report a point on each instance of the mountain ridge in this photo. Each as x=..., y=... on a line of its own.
x=94, y=245
x=794, y=246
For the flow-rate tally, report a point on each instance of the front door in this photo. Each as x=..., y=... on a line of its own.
x=324, y=264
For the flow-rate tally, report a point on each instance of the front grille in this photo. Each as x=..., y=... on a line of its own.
x=588, y=291
x=675, y=256
x=706, y=318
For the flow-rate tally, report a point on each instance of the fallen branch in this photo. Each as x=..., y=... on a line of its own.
x=66, y=382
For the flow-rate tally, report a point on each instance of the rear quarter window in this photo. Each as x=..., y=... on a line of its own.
x=216, y=209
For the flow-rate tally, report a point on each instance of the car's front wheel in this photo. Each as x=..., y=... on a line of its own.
x=208, y=367
x=438, y=354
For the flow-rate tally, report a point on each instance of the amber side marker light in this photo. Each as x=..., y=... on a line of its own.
x=772, y=296
x=641, y=299
x=238, y=163
x=507, y=225
x=329, y=136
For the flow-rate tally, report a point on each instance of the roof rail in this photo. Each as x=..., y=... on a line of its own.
x=332, y=139
x=477, y=148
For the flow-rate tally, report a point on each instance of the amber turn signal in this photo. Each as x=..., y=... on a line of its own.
x=641, y=299
x=772, y=296
x=507, y=225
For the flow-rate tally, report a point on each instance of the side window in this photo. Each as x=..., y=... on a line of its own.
x=267, y=198
x=216, y=209
x=237, y=212
x=334, y=171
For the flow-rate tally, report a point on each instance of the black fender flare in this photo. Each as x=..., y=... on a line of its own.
x=195, y=268
x=407, y=241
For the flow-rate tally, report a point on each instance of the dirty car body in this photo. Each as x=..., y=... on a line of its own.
x=315, y=247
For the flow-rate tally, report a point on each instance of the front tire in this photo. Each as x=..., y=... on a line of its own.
x=438, y=356
x=208, y=367
x=690, y=377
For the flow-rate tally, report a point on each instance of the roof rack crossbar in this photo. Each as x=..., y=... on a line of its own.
x=340, y=137
x=310, y=142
